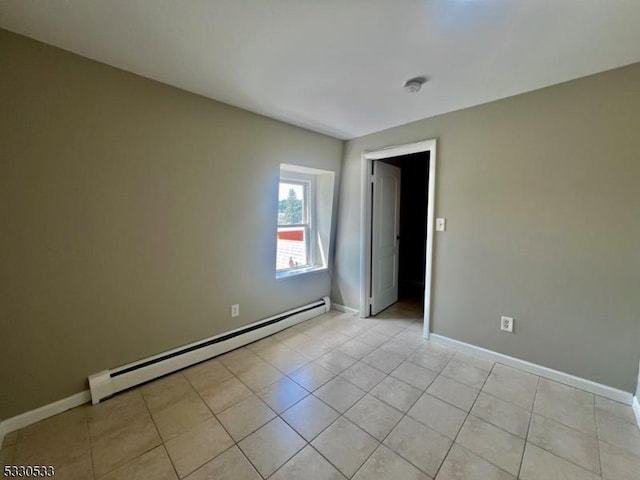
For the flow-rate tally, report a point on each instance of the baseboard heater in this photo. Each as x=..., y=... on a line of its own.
x=109, y=382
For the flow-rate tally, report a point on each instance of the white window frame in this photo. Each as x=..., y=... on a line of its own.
x=309, y=202
x=320, y=201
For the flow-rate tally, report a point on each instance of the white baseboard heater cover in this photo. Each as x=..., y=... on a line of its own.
x=109, y=382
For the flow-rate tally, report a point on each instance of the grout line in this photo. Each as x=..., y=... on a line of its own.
x=444, y=459
x=86, y=424
x=342, y=415
x=155, y=425
x=526, y=436
x=595, y=419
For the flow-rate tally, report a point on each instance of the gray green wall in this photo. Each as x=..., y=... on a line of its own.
x=542, y=198
x=133, y=214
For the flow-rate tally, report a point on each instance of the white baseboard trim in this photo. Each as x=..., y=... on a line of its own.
x=28, y=418
x=342, y=308
x=561, y=377
x=636, y=409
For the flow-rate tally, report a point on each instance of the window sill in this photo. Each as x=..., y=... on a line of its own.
x=301, y=271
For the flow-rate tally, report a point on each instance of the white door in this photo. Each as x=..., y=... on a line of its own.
x=385, y=231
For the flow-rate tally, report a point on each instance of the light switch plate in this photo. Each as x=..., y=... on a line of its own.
x=441, y=224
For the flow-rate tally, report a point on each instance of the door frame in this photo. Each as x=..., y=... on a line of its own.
x=368, y=157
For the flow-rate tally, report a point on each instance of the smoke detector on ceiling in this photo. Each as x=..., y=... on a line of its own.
x=414, y=85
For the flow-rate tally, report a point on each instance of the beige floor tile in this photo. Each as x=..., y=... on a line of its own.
x=624, y=412
x=117, y=447
x=239, y=360
x=465, y=370
x=455, y=393
x=345, y=445
x=567, y=405
x=181, y=416
x=389, y=328
x=353, y=329
x=270, y=350
x=615, y=431
x=313, y=349
x=225, y=394
x=431, y=356
x=285, y=359
x=74, y=457
x=115, y=412
x=423, y=447
x=80, y=468
x=356, y=349
x=69, y=426
x=414, y=375
x=334, y=339
x=61, y=440
x=282, y=394
x=474, y=360
x=438, y=415
x=363, y=376
x=312, y=376
x=396, y=393
x=511, y=385
x=230, y=465
x=260, y=375
x=461, y=464
x=267, y=343
x=372, y=338
x=269, y=447
x=573, y=445
x=385, y=464
x=310, y=416
x=308, y=464
x=154, y=464
x=384, y=361
x=245, y=417
x=295, y=340
x=336, y=361
x=374, y=416
x=503, y=414
x=412, y=336
x=207, y=374
x=166, y=391
x=196, y=447
x=492, y=443
x=398, y=347
x=618, y=464
x=339, y=394
x=539, y=464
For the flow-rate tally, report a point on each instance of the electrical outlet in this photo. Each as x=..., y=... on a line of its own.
x=506, y=324
x=235, y=310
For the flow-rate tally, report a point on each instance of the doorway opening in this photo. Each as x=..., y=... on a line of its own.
x=397, y=228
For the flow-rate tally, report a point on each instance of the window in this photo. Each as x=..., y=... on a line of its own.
x=294, y=224
x=305, y=199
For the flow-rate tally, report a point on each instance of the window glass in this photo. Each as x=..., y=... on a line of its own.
x=293, y=226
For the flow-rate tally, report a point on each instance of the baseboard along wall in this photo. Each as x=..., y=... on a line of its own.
x=545, y=372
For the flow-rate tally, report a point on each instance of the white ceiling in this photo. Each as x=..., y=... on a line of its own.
x=337, y=66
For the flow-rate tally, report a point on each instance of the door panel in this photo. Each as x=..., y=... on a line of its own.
x=385, y=228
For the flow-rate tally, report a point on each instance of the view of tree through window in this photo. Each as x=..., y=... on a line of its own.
x=290, y=209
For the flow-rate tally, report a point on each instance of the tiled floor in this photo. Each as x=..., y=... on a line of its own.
x=340, y=397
